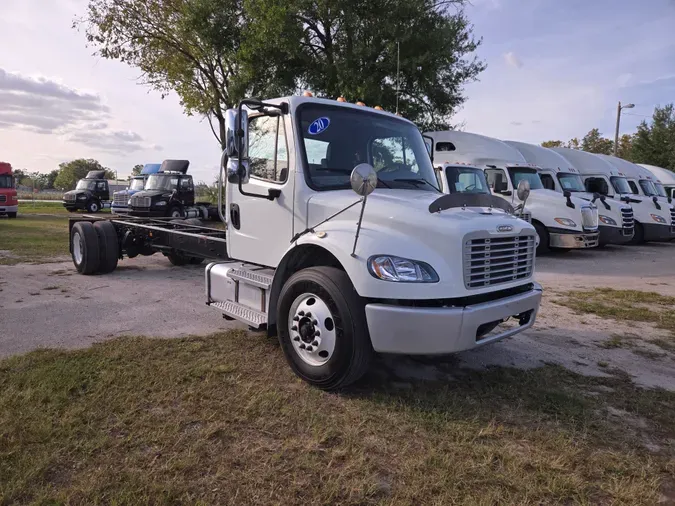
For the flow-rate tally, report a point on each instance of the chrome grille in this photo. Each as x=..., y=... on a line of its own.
x=3, y=198
x=70, y=198
x=672, y=216
x=627, y=217
x=495, y=260
x=140, y=201
x=120, y=199
x=589, y=218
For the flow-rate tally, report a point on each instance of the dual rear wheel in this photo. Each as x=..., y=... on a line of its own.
x=94, y=247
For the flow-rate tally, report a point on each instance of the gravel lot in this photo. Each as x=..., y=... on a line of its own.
x=50, y=305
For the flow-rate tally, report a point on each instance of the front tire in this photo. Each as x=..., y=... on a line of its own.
x=638, y=234
x=85, y=248
x=175, y=212
x=544, y=239
x=93, y=206
x=11, y=215
x=329, y=346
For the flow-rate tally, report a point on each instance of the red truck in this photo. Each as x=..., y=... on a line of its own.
x=9, y=204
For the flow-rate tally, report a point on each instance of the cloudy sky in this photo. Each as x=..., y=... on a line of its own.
x=556, y=69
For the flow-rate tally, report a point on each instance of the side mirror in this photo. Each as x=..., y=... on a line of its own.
x=567, y=194
x=237, y=157
x=523, y=191
x=363, y=179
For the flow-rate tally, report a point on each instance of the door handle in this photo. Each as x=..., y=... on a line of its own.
x=234, y=216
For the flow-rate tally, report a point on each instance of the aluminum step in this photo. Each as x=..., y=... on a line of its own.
x=261, y=278
x=245, y=314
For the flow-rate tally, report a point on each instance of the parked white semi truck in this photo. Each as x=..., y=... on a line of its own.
x=665, y=179
x=601, y=176
x=335, y=271
x=557, y=173
x=562, y=222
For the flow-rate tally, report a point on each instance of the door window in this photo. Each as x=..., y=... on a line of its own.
x=495, y=174
x=633, y=187
x=267, y=149
x=547, y=181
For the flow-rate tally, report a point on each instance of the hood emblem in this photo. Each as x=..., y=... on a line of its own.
x=504, y=228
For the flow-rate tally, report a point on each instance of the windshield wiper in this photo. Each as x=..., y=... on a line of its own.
x=414, y=181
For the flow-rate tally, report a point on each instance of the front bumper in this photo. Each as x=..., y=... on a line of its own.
x=74, y=204
x=656, y=232
x=615, y=235
x=119, y=209
x=437, y=331
x=565, y=239
x=9, y=209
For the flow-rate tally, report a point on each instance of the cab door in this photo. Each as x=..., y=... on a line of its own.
x=260, y=230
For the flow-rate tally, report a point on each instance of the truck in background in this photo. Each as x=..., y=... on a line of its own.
x=615, y=218
x=397, y=268
x=91, y=193
x=562, y=222
x=120, y=201
x=641, y=181
x=603, y=177
x=9, y=203
x=170, y=193
x=665, y=179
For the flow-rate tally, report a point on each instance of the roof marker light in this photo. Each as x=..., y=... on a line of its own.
x=341, y=99
x=307, y=93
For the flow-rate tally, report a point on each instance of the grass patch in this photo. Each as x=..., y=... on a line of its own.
x=49, y=208
x=222, y=420
x=32, y=239
x=624, y=305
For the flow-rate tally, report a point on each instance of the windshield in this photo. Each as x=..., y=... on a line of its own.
x=648, y=187
x=162, y=182
x=84, y=184
x=661, y=190
x=571, y=182
x=337, y=139
x=466, y=180
x=6, y=182
x=519, y=173
x=137, y=184
x=620, y=185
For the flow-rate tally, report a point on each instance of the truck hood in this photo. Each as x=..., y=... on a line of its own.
x=408, y=210
x=548, y=196
x=151, y=193
x=78, y=192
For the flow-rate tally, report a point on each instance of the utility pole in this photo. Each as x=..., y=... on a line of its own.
x=619, y=108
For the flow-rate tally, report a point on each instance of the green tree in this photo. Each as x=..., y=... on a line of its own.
x=71, y=172
x=573, y=143
x=594, y=142
x=552, y=144
x=654, y=143
x=136, y=171
x=625, y=149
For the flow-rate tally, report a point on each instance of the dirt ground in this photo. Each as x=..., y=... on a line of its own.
x=50, y=305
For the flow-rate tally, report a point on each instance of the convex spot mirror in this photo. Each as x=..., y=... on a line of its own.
x=363, y=179
x=523, y=191
x=237, y=158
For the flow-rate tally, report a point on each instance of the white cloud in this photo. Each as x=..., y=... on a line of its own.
x=512, y=60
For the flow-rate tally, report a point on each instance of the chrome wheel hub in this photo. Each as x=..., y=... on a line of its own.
x=77, y=247
x=312, y=329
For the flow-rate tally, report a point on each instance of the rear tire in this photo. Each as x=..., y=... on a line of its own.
x=11, y=215
x=351, y=347
x=544, y=239
x=110, y=247
x=177, y=259
x=85, y=248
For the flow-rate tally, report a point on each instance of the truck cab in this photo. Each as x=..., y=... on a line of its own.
x=120, y=203
x=91, y=193
x=9, y=203
x=167, y=193
x=602, y=176
x=562, y=222
x=665, y=179
x=616, y=223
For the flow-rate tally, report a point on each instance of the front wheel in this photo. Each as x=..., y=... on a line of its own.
x=322, y=328
x=93, y=206
x=544, y=239
x=11, y=215
x=175, y=212
x=638, y=234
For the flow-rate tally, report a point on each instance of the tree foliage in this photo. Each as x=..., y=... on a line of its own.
x=136, y=170
x=71, y=172
x=213, y=53
x=552, y=144
x=654, y=143
x=594, y=142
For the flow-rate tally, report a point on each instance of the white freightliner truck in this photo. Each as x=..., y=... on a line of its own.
x=665, y=179
x=616, y=224
x=601, y=176
x=337, y=272
x=562, y=223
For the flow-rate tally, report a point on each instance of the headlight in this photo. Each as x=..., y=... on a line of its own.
x=658, y=219
x=389, y=268
x=81, y=197
x=566, y=222
x=161, y=203
x=607, y=220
